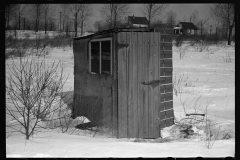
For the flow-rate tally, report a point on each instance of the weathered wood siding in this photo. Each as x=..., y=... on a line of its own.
x=93, y=93
x=144, y=84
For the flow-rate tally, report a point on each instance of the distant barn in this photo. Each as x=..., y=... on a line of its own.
x=123, y=81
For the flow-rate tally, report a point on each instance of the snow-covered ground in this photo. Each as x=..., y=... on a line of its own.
x=55, y=144
x=211, y=78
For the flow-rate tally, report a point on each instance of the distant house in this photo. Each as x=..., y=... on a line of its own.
x=137, y=22
x=186, y=28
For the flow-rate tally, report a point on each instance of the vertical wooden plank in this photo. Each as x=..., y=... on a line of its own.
x=156, y=89
x=114, y=87
x=122, y=97
x=140, y=87
x=159, y=75
x=120, y=79
x=124, y=86
x=150, y=95
x=135, y=84
x=145, y=79
x=130, y=86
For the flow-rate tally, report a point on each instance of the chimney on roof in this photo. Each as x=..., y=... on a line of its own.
x=190, y=18
x=133, y=15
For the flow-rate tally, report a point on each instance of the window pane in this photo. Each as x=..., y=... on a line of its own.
x=95, y=52
x=106, y=56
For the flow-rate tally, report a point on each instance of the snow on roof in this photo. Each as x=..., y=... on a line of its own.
x=177, y=28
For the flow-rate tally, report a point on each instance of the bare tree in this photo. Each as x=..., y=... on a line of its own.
x=113, y=13
x=98, y=25
x=152, y=10
x=52, y=24
x=226, y=12
x=85, y=13
x=9, y=14
x=185, y=19
x=36, y=13
x=48, y=12
x=216, y=21
x=202, y=22
x=75, y=9
x=171, y=19
x=15, y=22
x=20, y=10
x=194, y=17
x=32, y=88
x=66, y=19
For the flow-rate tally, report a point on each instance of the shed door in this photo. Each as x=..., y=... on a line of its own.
x=144, y=85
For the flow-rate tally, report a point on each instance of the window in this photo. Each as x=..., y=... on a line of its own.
x=192, y=31
x=100, y=56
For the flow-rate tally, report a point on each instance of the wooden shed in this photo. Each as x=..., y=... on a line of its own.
x=123, y=81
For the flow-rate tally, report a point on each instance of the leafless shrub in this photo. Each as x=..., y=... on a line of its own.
x=32, y=88
x=182, y=51
x=180, y=81
x=21, y=47
x=211, y=51
x=201, y=45
x=200, y=120
x=40, y=46
x=18, y=49
x=209, y=125
x=193, y=109
x=27, y=35
x=226, y=57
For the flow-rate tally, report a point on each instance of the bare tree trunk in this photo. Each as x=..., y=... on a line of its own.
x=201, y=30
x=82, y=28
x=27, y=133
x=24, y=22
x=8, y=20
x=226, y=35
x=229, y=35
x=45, y=26
x=15, y=30
x=63, y=25
x=19, y=21
x=115, y=17
x=76, y=24
x=149, y=21
x=36, y=26
x=111, y=16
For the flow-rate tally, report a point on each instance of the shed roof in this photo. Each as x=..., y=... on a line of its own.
x=188, y=25
x=138, y=20
x=116, y=30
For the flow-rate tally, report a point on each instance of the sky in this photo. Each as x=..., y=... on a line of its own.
x=181, y=9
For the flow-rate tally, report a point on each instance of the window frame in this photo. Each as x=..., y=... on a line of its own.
x=100, y=54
